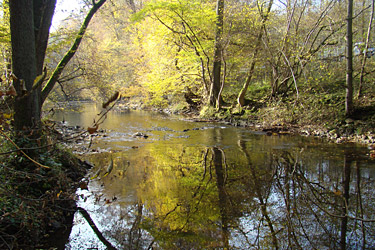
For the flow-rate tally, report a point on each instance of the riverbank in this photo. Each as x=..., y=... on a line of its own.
x=319, y=111
x=37, y=199
x=309, y=116
x=349, y=131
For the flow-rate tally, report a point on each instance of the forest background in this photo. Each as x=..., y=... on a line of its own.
x=280, y=62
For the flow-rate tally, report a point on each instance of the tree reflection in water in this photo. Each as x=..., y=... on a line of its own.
x=236, y=198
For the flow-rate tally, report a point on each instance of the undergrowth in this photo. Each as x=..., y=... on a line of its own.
x=320, y=105
x=33, y=199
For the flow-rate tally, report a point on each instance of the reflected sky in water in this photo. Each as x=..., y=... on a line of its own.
x=210, y=186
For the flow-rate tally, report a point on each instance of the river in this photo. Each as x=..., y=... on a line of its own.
x=176, y=184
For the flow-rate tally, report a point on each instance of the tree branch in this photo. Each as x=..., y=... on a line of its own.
x=87, y=217
x=64, y=61
x=28, y=157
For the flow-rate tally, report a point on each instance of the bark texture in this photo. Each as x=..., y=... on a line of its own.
x=26, y=110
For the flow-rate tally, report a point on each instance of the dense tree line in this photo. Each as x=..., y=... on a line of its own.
x=197, y=53
x=168, y=52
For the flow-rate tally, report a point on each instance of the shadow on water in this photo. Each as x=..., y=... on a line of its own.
x=208, y=186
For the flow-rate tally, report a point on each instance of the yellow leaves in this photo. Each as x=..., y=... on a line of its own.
x=5, y=120
x=7, y=116
x=132, y=91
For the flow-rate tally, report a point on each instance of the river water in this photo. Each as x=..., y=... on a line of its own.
x=189, y=185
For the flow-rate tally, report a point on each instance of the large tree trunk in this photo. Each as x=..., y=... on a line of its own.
x=215, y=99
x=43, y=14
x=30, y=21
x=349, y=108
x=26, y=107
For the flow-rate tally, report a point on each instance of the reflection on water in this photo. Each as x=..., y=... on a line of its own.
x=209, y=186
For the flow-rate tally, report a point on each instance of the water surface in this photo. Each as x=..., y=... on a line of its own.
x=210, y=186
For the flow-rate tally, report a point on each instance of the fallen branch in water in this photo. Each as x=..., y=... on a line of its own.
x=87, y=217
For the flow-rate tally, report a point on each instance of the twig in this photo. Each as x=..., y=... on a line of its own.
x=104, y=114
x=28, y=157
x=9, y=247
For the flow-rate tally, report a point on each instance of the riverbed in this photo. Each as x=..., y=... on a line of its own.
x=163, y=182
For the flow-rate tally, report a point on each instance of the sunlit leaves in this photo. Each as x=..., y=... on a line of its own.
x=162, y=49
x=175, y=37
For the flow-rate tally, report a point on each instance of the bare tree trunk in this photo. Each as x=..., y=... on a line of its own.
x=349, y=108
x=30, y=21
x=361, y=79
x=216, y=82
x=43, y=13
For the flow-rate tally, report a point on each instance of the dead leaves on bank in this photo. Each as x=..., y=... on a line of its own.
x=11, y=91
